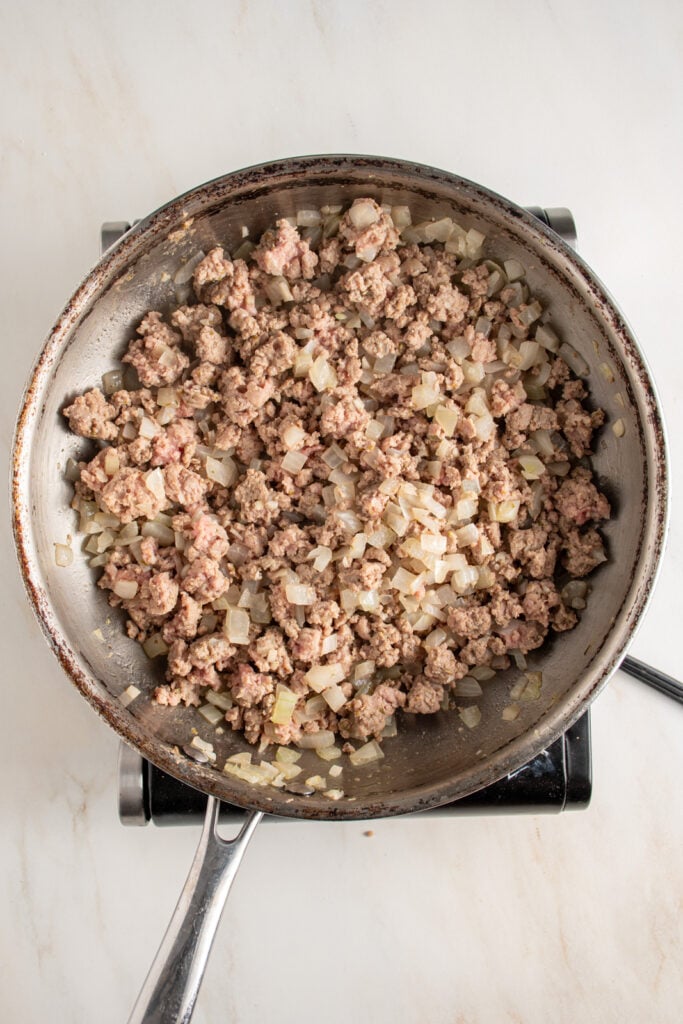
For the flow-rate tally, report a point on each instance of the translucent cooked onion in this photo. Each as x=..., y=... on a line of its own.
x=320, y=677
x=503, y=511
x=366, y=754
x=531, y=466
x=155, y=483
x=334, y=456
x=285, y=702
x=362, y=214
x=466, y=508
x=447, y=417
x=236, y=626
x=547, y=337
x=349, y=521
x=574, y=360
x=467, y=535
x=111, y=462
x=329, y=644
x=294, y=462
x=278, y=291
x=384, y=536
x=401, y=217
x=112, y=381
x=300, y=594
x=129, y=695
x=471, y=716
x=125, y=589
x=160, y=533
x=464, y=579
x=468, y=687
x=435, y=639
x=529, y=353
x=221, y=471
x=308, y=218
x=155, y=646
x=316, y=740
x=322, y=374
x=212, y=714
x=64, y=555
x=334, y=697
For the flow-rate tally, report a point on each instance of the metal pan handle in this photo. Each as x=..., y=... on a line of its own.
x=170, y=990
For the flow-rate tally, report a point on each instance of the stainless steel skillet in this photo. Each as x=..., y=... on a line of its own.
x=431, y=761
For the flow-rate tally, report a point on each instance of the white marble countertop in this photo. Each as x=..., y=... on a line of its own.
x=110, y=110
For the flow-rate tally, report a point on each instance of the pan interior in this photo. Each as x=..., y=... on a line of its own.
x=434, y=758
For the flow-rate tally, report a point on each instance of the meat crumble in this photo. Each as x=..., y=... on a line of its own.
x=352, y=472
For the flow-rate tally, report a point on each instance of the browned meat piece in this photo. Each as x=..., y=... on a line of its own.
x=583, y=552
x=535, y=549
x=441, y=667
x=163, y=594
x=183, y=486
x=206, y=537
x=248, y=687
x=90, y=415
x=424, y=697
x=184, y=623
x=470, y=622
x=579, y=499
x=578, y=425
x=274, y=356
x=243, y=397
x=204, y=580
x=283, y=253
x=220, y=281
x=367, y=715
x=540, y=598
x=256, y=501
x=506, y=398
x=269, y=653
x=307, y=646
x=190, y=320
x=156, y=355
x=175, y=444
x=128, y=497
x=383, y=641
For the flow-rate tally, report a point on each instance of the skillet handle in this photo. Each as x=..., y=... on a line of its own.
x=170, y=990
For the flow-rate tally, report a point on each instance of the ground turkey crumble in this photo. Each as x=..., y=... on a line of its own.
x=347, y=474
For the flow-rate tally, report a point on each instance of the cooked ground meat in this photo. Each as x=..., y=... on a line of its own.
x=326, y=471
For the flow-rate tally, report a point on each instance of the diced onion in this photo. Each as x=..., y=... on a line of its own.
x=162, y=534
x=468, y=687
x=236, y=626
x=112, y=382
x=574, y=360
x=129, y=695
x=64, y=555
x=362, y=214
x=366, y=754
x=278, y=291
x=285, y=702
x=447, y=418
x=294, y=462
x=320, y=677
x=300, y=594
x=471, y=716
x=532, y=467
x=155, y=646
x=334, y=697
x=619, y=428
x=221, y=700
x=125, y=589
x=503, y=511
x=293, y=436
x=330, y=643
x=212, y=714
x=464, y=579
x=316, y=740
x=221, y=471
x=467, y=535
x=111, y=462
x=332, y=753
x=322, y=375
x=155, y=483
